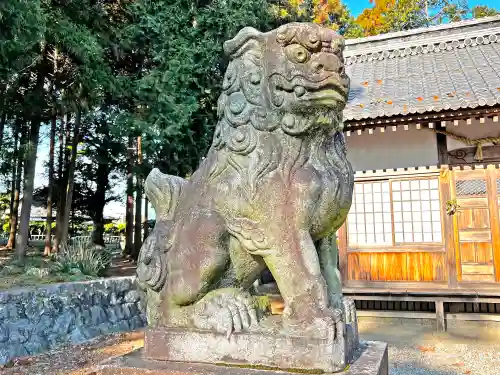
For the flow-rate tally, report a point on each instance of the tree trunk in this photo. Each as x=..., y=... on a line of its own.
x=3, y=120
x=71, y=177
x=62, y=133
x=3, y=117
x=48, y=234
x=30, y=164
x=29, y=179
x=99, y=203
x=138, y=203
x=146, y=219
x=62, y=173
x=50, y=193
x=17, y=168
x=14, y=215
x=129, y=218
x=15, y=156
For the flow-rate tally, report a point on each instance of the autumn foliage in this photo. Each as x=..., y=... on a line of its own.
x=399, y=15
x=384, y=16
x=374, y=20
x=330, y=13
x=324, y=9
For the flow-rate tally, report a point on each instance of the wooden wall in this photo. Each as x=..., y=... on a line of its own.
x=468, y=255
x=397, y=266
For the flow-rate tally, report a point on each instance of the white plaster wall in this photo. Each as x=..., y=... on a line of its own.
x=474, y=130
x=392, y=149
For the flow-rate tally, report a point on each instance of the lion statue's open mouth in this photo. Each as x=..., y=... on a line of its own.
x=330, y=92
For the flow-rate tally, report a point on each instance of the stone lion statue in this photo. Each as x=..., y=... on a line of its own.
x=272, y=191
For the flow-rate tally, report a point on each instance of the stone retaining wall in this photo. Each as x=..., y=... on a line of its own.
x=40, y=319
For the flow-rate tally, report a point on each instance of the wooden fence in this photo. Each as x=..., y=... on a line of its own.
x=108, y=240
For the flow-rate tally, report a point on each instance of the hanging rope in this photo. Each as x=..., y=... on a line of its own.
x=471, y=142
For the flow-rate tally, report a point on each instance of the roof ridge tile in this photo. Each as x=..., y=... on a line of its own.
x=425, y=46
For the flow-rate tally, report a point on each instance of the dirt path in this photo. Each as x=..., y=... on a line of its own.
x=121, y=266
x=76, y=360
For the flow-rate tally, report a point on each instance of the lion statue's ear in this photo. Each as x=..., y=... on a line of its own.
x=246, y=39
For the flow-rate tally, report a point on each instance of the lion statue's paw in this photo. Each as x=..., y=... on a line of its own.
x=226, y=311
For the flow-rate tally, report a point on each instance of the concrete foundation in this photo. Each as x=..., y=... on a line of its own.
x=328, y=354
x=371, y=360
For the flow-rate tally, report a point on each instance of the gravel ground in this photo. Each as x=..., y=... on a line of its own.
x=420, y=350
x=410, y=353
x=444, y=359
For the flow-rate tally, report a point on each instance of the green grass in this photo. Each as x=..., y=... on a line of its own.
x=37, y=270
x=25, y=281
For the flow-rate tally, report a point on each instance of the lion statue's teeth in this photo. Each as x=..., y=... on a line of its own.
x=299, y=90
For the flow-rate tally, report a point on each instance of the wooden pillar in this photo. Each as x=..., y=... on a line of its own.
x=454, y=221
x=447, y=226
x=440, y=317
x=442, y=149
x=491, y=181
x=146, y=218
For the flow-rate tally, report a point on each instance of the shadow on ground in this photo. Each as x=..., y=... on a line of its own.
x=408, y=332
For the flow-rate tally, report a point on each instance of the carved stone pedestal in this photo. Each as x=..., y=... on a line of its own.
x=176, y=351
x=247, y=348
x=371, y=359
x=329, y=349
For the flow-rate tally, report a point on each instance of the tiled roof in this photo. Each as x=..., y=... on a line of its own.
x=448, y=67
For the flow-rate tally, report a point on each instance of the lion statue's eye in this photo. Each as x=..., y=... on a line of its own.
x=297, y=53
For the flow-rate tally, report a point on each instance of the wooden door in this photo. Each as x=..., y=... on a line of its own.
x=476, y=225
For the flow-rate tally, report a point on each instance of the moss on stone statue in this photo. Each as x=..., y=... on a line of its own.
x=270, y=368
x=263, y=303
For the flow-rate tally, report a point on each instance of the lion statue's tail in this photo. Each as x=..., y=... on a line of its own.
x=163, y=192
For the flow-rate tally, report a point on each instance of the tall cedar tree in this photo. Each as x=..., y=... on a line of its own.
x=77, y=35
x=178, y=86
x=179, y=79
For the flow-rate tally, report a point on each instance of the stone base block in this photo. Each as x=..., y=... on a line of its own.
x=328, y=353
x=371, y=360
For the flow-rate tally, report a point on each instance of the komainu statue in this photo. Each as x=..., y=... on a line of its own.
x=272, y=191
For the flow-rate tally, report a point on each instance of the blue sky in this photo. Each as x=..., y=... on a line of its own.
x=115, y=209
x=357, y=6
